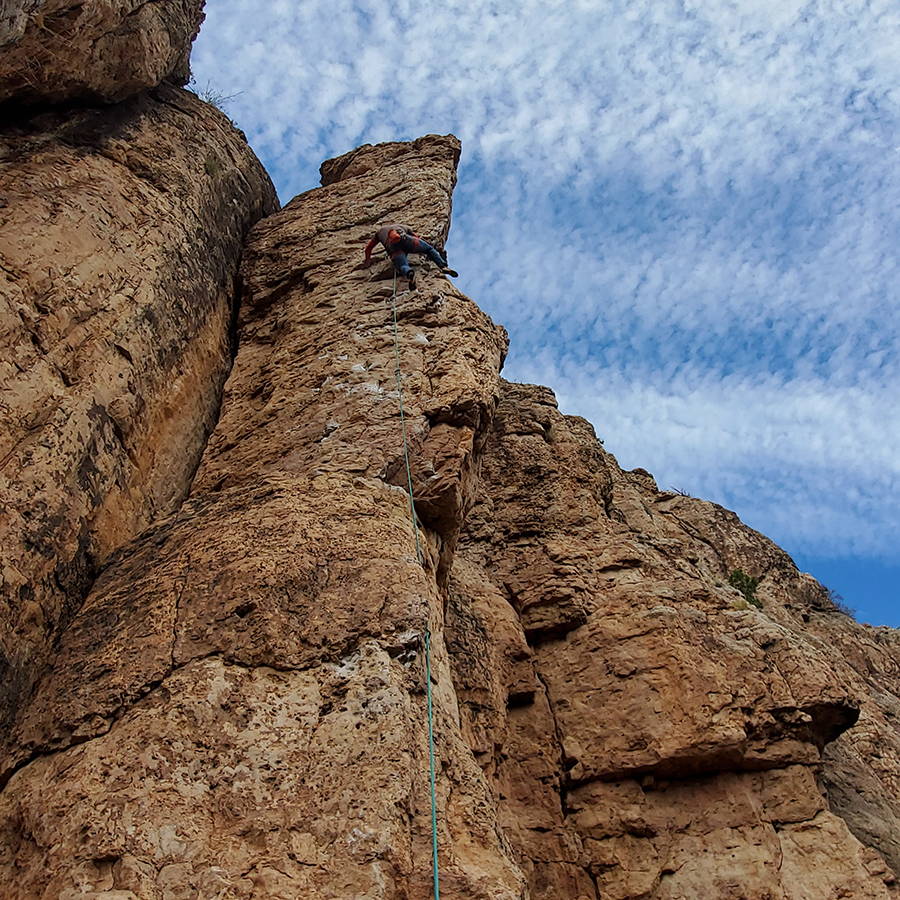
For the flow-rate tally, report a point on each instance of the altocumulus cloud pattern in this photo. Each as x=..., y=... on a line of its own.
x=685, y=213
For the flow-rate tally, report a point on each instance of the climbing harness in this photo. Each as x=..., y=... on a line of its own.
x=421, y=559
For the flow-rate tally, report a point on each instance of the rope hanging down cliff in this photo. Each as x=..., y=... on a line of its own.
x=427, y=634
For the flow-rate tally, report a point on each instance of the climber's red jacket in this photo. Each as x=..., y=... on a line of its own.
x=388, y=235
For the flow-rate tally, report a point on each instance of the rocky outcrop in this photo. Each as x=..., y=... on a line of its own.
x=862, y=766
x=648, y=731
x=53, y=51
x=249, y=714
x=238, y=708
x=121, y=235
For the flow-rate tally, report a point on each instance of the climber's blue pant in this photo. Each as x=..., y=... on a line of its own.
x=399, y=251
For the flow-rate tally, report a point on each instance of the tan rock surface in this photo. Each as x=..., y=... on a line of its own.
x=121, y=235
x=862, y=774
x=667, y=740
x=238, y=709
x=53, y=50
x=862, y=770
x=339, y=412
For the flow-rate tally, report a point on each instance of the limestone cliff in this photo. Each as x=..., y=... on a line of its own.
x=238, y=706
x=648, y=731
x=237, y=709
x=53, y=51
x=121, y=233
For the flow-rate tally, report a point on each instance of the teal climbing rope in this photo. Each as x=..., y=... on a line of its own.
x=434, y=833
x=420, y=557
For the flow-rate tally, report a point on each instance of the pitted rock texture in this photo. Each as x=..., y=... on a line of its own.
x=448, y=355
x=238, y=709
x=649, y=734
x=53, y=51
x=862, y=771
x=121, y=236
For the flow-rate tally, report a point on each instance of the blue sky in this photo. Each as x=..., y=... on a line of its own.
x=687, y=215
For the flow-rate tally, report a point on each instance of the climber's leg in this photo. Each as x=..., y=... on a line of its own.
x=440, y=261
x=417, y=245
x=432, y=254
x=401, y=262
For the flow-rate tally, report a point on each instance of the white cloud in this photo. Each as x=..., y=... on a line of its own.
x=686, y=213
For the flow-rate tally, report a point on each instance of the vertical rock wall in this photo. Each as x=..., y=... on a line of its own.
x=862, y=770
x=121, y=234
x=238, y=709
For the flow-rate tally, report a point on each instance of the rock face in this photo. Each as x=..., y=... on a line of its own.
x=862, y=766
x=52, y=50
x=648, y=731
x=257, y=659
x=238, y=708
x=121, y=237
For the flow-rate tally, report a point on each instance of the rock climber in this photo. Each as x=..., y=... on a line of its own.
x=399, y=240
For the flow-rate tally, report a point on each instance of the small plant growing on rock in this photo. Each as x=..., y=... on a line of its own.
x=213, y=96
x=837, y=601
x=747, y=585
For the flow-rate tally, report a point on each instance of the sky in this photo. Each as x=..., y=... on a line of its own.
x=686, y=214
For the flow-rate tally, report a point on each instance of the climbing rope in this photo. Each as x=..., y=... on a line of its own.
x=399, y=378
x=420, y=557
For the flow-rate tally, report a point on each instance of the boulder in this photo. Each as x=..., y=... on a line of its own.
x=53, y=51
